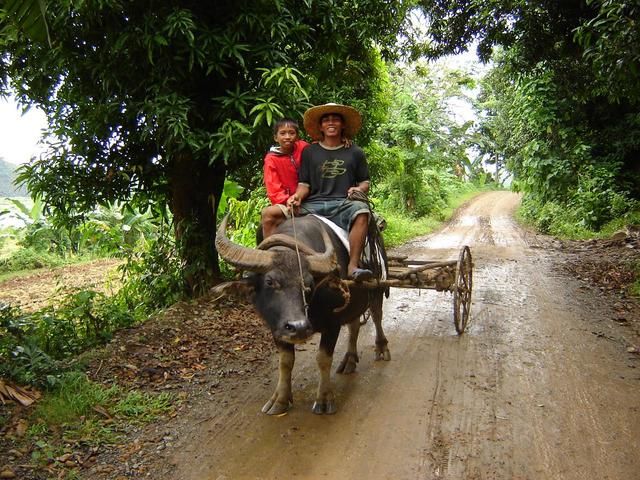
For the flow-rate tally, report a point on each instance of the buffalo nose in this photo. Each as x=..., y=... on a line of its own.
x=299, y=329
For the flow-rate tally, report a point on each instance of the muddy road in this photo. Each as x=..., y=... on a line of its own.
x=539, y=387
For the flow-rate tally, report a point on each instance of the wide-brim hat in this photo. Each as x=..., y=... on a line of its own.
x=351, y=116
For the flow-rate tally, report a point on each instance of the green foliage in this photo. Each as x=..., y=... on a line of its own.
x=33, y=343
x=29, y=259
x=39, y=234
x=552, y=218
x=611, y=43
x=154, y=278
x=418, y=195
x=43, y=236
x=630, y=219
x=72, y=397
x=143, y=407
x=246, y=216
x=29, y=17
x=114, y=230
x=109, y=231
x=598, y=198
x=420, y=145
x=22, y=358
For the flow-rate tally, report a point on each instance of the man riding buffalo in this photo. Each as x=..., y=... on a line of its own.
x=330, y=174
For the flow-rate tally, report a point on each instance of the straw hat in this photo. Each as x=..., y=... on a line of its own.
x=351, y=116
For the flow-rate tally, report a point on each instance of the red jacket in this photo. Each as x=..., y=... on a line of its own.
x=281, y=172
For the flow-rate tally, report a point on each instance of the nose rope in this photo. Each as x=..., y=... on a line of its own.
x=302, y=287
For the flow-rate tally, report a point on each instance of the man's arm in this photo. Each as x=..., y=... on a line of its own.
x=362, y=174
x=362, y=186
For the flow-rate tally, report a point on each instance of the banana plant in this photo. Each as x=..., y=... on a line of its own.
x=25, y=213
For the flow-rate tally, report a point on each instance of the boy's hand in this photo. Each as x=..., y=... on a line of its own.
x=293, y=202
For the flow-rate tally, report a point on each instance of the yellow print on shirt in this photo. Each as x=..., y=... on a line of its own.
x=333, y=168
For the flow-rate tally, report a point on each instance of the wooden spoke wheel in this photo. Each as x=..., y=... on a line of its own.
x=462, y=290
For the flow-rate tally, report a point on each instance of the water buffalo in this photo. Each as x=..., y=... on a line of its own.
x=282, y=288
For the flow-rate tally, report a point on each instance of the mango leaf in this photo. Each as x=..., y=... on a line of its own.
x=29, y=17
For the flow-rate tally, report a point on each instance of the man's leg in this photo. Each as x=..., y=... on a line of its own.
x=357, y=238
x=271, y=217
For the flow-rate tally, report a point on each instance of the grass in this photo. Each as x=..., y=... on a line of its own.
x=79, y=414
x=143, y=407
x=401, y=228
x=74, y=397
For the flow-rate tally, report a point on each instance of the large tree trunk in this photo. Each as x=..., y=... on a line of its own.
x=196, y=188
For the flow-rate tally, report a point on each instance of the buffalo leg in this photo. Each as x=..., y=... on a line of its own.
x=325, y=401
x=282, y=399
x=350, y=359
x=382, y=350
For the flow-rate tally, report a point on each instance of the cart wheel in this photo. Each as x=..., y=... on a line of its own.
x=462, y=290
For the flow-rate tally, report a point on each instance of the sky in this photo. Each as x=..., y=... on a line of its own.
x=19, y=134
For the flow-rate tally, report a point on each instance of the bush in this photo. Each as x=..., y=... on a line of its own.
x=416, y=195
x=246, y=216
x=401, y=228
x=33, y=344
x=154, y=279
x=44, y=237
x=598, y=198
x=29, y=259
x=550, y=218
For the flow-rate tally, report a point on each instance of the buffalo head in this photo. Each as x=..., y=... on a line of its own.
x=281, y=282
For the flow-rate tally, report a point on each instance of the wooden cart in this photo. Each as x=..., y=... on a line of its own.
x=454, y=276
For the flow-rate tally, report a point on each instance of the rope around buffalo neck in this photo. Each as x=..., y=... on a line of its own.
x=302, y=287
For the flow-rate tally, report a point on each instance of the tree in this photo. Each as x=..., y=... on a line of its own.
x=155, y=103
x=611, y=43
x=420, y=139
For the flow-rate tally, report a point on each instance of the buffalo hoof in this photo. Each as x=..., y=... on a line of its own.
x=324, y=408
x=348, y=363
x=276, y=408
x=383, y=354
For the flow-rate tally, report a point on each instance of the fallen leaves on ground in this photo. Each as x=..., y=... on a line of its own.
x=12, y=392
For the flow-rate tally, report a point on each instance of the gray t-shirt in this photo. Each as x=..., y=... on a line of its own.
x=330, y=173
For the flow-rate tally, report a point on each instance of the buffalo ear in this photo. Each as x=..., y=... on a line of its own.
x=239, y=289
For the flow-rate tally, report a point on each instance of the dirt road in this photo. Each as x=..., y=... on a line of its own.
x=539, y=387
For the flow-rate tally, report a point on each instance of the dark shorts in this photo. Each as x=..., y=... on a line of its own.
x=340, y=211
